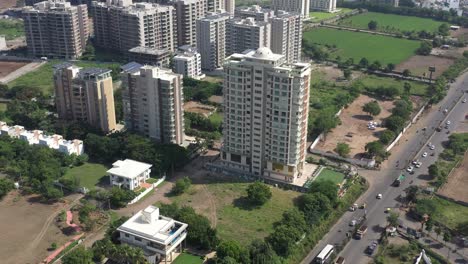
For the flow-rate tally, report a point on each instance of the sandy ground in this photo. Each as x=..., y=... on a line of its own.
x=7, y=67
x=457, y=183
x=196, y=107
x=27, y=229
x=418, y=65
x=216, y=99
x=5, y=4
x=354, y=122
x=332, y=74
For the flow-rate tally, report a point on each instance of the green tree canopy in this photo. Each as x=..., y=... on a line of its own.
x=258, y=193
x=372, y=108
x=342, y=149
x=79, y=255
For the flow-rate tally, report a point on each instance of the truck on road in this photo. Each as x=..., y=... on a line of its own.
x=361, y=232
x=399, y=180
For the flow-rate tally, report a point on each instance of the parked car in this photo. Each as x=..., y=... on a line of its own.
x=410, y=169
x=424, y=154
x=379, y=196
x=371, y=248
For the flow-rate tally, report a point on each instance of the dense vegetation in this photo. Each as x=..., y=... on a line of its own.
x=11, y=29
x=200, y=90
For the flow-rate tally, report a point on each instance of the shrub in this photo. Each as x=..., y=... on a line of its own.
x=181, y=185
x=258, y=193
x=342, y=149
x=386, y=136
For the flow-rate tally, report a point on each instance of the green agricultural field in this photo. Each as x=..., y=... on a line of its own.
x=391, y=23
x=11, y=28
x=186, y=258
x=446, y=212
x=89, y=174
x=330, y=175
x=317, y=16
x=417, y=88
x=43, y=76
x=357, y=45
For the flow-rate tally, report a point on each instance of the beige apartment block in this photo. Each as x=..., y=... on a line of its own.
x=286, y=39
x=85, y=95
x=56, y=29
x=188, y=11
x=257, y=12
x=266, y=103
x=323, y=5
x=121, y=25
x=244, y=34
x=293, y=6
x=153, y=102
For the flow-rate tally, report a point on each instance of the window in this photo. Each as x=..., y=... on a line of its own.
x=137, y=239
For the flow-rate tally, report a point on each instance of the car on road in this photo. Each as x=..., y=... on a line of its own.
x=448, y=122
x=424, y=154
x=379, y=196
x=371, y=248
x=464, y=100
x=352, y=223
x=418, y=165
x=410, y=169
x=415, y=162
x=432, y=147
x=388, y=210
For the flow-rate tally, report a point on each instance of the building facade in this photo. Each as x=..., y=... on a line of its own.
x=287, y=39
x=257, y=12
x=158, y=236
x=54, y=28
x=323, y=5
x=188, y=11
x=265, y=115
x=229, y=6
x=211, y=40
x=293, y=6
x=129, y=174
x=187, y=62
x=120, y=25
x=244, y=34
x=85, y=95
x=150, y=56
x=153, y=102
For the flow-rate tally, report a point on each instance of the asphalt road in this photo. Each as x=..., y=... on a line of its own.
x=412, y=145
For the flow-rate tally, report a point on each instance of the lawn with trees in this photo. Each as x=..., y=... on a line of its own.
x=11, y=28
x=356, y=45
x=88, y=175
x=318, y=16
x=442, y=211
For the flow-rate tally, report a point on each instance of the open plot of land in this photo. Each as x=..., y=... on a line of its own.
x=5, y=4
x=353, y=129
x=330, y=175
x=418, y=65
x=26, y=229
x=199, y=108
x=391, y=22
x=457, y=185
x=359, y=45
x=88, y=174
x=320, y=16
x=11, y=28
x=417, y=88
x=448, y=213
x=7, y=67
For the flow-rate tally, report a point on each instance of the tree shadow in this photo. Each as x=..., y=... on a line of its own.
x=363, y=117
x=104, y=182
x=360, y=155
x=244, y=204
x=425, y=177
x=377, y=228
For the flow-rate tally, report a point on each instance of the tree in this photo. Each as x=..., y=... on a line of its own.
x=438, y=231
x=181, y=185
x=375, y=66
x=342, y=149
x=462, y=228
x=315, y=206
x=363, y=63
x=119, y=197
x=407, y=88
x=347, y=74
x=424, y=49
x=390, y=67
x=283, y=239
x=395, y=123
x=6, y=186
x=325, y=122
x=372, y=25
x=372, y=108
x=258, y=193
x=79, y=255
x=429, y=225
x=234, y=250
x=406, y=73
x=375, y=148
x=444, y=29
x=387, y=92
x=392, y=219
x=201, y=233
x=327, y=188
x=447, y=236
x=434, y=171
x=386, y=136
x=411, y=193
x=402, y=109
x=261, y=252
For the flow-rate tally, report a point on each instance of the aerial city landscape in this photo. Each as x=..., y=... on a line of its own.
x=234, y=131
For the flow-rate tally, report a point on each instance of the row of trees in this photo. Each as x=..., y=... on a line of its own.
x=200, y=91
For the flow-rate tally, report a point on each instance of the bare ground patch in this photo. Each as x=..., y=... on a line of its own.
x=5, y=4
x=353, y=129
x=418, y=65
x=199, y=108
x=333, y=74
x=7, y=67
x=457, y=183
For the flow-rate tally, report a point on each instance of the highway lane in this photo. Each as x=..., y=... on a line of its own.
x=410, y=146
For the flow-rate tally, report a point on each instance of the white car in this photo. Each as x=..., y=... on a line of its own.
x=448, y=122
x=352, y=223
x=424, y=154
x=418, y=165
x=379, y=196
x=410, y=169
x=432, y=147
x=464, y=100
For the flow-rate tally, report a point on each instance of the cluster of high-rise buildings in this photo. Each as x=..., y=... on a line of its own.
x=257, y=50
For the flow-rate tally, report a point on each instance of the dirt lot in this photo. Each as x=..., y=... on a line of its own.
x=418, y=65
x=332, y=74
x=354, y=122
x=5, y=4
x=7, y=67
x=196, y=107
x=218, y=99
x=457, y=183
x=26, y=229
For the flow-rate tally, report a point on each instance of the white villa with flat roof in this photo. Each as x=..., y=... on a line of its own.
x=129, y=173
x=160, y=237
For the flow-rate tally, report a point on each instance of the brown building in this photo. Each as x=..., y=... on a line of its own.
x=55, y=28
x=85, y=95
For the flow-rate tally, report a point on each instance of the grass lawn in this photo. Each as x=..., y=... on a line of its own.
x=318, y=16
x=216, y=119
x=186, y=258
x=89, y=174
x=3, y=107
x=359, y=45
x=11, y=28
x=417, y=88
x=235, y=219
x=43, y=77
x=391, y=23
x=402, y=253
x=448, y=213
x=330, y=175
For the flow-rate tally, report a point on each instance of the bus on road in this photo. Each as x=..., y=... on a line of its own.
x=325, y=254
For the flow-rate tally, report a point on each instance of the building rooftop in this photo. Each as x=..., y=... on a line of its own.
x=250, y=22
x=149, y=51
x=131, y=67
x=92, y=72
x=148, y=223
x=128, y=168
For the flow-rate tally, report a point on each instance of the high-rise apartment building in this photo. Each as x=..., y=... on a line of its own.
x=215, y=5
x=85, y=95
x=323, y=5
x=121, y=25
x=257, y=12
x=188, y=11
x=243, y=34
x=287, y=39
x=265, y=115
x=211, y=40
x=54, y=28
x=230, y=6
x=293, y=6
x=153, y=102
x=187, y=62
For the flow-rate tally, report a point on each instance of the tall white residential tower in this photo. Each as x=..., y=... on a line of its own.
x=211, y=40
x=287, y=35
